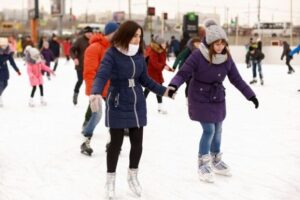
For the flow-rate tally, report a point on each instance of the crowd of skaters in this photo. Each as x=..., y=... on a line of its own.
x=116, y=67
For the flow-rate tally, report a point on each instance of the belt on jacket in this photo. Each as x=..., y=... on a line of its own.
x=124, y=83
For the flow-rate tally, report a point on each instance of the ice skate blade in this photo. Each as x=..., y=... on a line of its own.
x=228, y=174
x=163, y=112
x=86, y=153
x=207, y=179
x=135, y=193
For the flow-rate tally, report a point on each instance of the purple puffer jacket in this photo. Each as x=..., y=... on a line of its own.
x=206, y=95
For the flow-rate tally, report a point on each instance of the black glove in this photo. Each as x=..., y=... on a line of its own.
x=255, y=101
x=172, y=92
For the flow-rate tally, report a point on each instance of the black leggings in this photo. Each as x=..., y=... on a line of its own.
x=147, y=91
x=114, y=147
x=33, y=91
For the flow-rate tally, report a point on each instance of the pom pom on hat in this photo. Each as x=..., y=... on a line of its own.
x=210, y=22
x=214, y=32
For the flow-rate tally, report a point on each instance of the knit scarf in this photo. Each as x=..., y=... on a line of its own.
x=216, y=59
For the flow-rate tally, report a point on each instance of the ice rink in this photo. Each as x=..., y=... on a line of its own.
x=40, y=155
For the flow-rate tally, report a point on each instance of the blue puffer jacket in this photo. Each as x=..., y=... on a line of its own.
x=4, y=57
x=125, y=104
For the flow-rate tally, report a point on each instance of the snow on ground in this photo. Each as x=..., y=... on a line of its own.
x=40, y=147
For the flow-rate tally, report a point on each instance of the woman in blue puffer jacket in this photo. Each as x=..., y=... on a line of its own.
x=124, y=65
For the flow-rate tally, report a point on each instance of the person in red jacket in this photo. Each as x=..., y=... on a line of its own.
x=92, y=58
x=67, y=46
x=156, y=56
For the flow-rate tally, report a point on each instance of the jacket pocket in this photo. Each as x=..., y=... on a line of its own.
x=201, y=94
x=217, y=94
x=209, y=94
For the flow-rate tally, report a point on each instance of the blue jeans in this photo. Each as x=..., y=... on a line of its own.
x=92, y=123
x=211, y=138
x=3, y=85
x=257, y=64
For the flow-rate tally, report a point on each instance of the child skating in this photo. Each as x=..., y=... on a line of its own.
x=208, y=67
x=35, y=65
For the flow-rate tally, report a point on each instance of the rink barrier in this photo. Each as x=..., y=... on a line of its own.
x=272, y=55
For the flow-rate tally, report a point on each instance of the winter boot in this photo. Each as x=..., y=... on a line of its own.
x=204, y=169
x=262, y=81
x=218, y=166
x=253, y=81
x=86, y=148
x=1, y=102
x=75, y=98
x=43, y=102
x=110, y=186
x=160, y=109
x=133, y=182
x=31, y=102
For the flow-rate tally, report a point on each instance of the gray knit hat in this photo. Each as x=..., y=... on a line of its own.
x=158, y=40
x=214, y=32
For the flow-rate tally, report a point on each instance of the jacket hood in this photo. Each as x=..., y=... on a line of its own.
x=99, y=38
x=156, y=47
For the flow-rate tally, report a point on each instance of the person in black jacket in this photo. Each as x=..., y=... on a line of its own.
x=254, y=57
x=77, y=53
x=55, y=48
x=288, y=58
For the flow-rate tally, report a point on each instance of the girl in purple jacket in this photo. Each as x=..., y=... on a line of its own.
x=48, y=56
x=208, y=67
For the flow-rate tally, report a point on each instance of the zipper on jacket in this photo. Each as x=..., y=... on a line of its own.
x=107, y=112
x=134, y=93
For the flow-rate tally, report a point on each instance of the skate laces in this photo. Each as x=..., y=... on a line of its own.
x=110, y=183
x=87, y=143
x=132, y=177
x=205, y=169
x=220, y=165
x=133, y=182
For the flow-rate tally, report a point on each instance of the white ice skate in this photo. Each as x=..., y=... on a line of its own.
x=218, y=166
x=31, y=102
x=43, y=102
x=110, y=186
x=262, y=81
x=161, y=109
x=204, y=169
x=1, y=102
x=133, y=182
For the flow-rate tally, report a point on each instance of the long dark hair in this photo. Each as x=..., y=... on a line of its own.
x=124, y=35
x=212, y=52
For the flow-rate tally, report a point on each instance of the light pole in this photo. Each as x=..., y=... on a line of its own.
x=258, y=18
x=129, y=9
x=291, y=26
